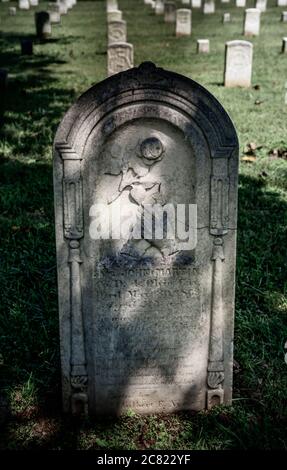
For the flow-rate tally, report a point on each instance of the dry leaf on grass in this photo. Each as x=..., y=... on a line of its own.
x=278, y=153
x=248, y=158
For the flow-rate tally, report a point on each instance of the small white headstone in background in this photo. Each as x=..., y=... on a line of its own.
x=186, y=2
x=34, y=3
x=226, y=18
x=284, y=45
x=208, y=7
x=224, y=1
x=183, y=22
x=282, y=3
x=203, y=46
x=261, y=5
x=55, y=17
x=159, y=7
x=23, y=4
x=252, y=22
x=115, y=15
x=196, y=3
x=238, y=64
x=120, y=57
x=112, y=5
x=240, y=3
x=12, y=11
x=169, y=12
x=284, y=16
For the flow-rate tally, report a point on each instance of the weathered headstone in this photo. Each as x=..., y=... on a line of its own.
x=114, y=15
x=145, y=325
x=53, y=6
x=284, y=46
x=169, y=12
x=63, y=9
x=261, y=5
x=112, y=5
x=117, y=32
x=284, y=16
x=69, y=4
x=209, y=7
x=12, y=11
x=282, y=3
x=196, y=3
x=159, y=7
x=120, y=57
x=183, y=22
x=55, y=17
x=240, y=3
x=43, y=25
x=238, y=64
x=252, y=22
x=226, y=18
x=26, y=47
x=23, y=4
x=203, y=46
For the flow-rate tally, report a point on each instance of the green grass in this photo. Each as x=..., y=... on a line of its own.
x=41, y=89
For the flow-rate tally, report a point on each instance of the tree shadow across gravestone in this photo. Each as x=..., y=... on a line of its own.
x=142, y=322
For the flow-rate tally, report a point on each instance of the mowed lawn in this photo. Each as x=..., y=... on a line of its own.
x=41, y=89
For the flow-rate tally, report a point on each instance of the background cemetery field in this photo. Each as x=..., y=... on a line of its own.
x=41, y=88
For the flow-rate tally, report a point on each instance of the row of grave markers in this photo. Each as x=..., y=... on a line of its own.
x=208, y=6
x=56, y=9
x=120, y=55
x=238, y=53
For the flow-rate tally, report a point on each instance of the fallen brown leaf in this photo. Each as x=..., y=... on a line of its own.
x=248, y=158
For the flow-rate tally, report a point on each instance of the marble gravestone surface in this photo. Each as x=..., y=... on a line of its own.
x=183, y=22
x=23, y=4
x=112, y=5
x=238, y=64
x=117, y=32
x=159, y=7
x=252, y=22
x=240, y=3
x=145, y=324
x=120, y=57
x=208, y=7
x=114, y=15
x=261, y=5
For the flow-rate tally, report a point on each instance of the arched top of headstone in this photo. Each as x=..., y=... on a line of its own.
x=146, y=83
x=239, y=42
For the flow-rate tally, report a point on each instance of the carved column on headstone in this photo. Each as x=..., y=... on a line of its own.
x=73, y=231
x=219, y=188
